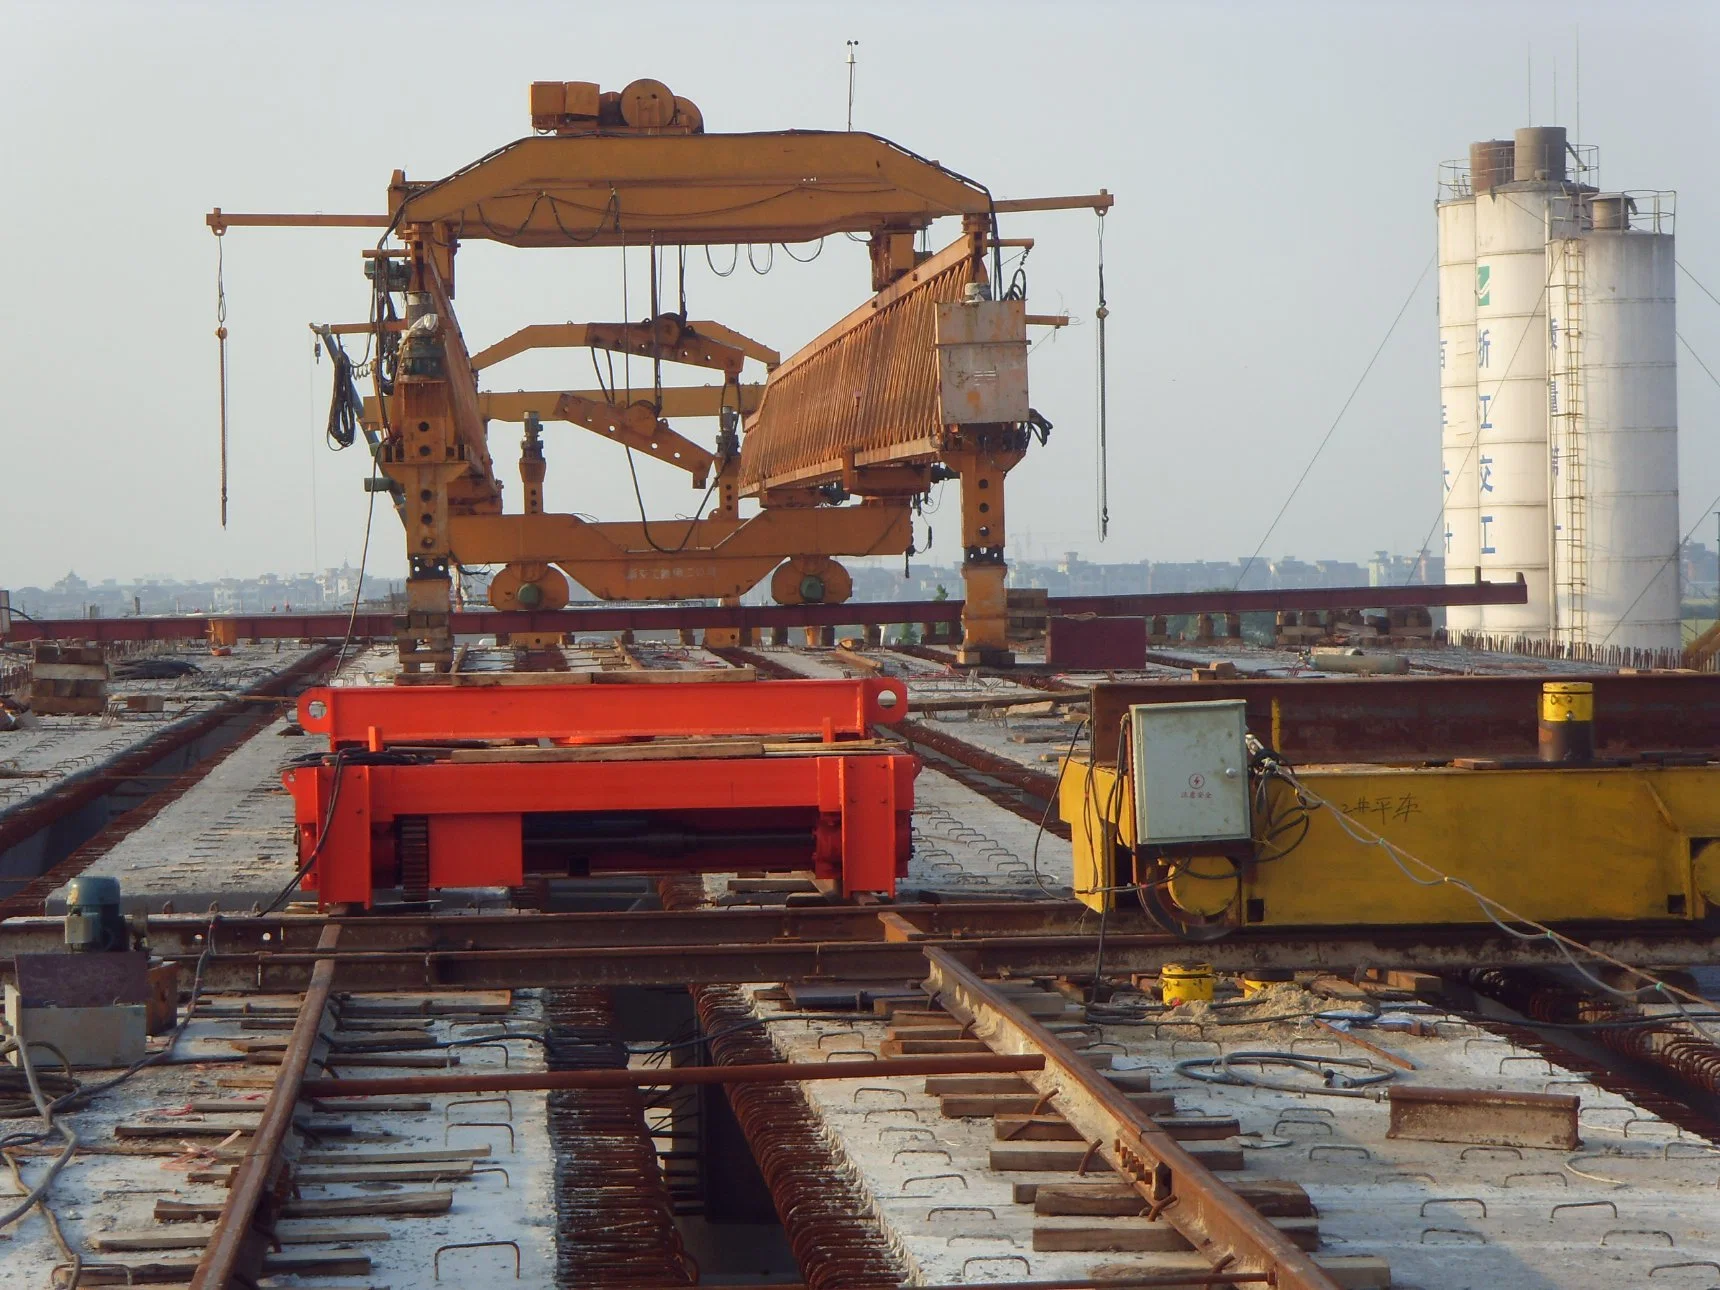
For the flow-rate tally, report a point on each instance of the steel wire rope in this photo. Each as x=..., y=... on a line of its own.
x=1100, y=314
x=1337, y=420
x=221, y=348
x=786, y=250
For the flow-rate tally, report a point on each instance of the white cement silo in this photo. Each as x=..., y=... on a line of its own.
x=1615, y=567
x=1459, y=523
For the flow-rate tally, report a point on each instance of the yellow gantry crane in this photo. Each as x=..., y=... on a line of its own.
x=925, y=380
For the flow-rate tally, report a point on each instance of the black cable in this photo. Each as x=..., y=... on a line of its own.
x=733, y=264
x=1045, y=815
x=304, y=868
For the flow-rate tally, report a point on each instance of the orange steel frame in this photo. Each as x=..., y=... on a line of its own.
x=841, y=808
x=834, y=447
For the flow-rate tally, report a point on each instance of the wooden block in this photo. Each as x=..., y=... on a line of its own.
x=1051, y=1127
x=1133, y=1236
x=930, y=1047
x=1114, y=1200
x=701, y=750
x=770, y=886
x=1198, y=1128
x=1271, y=1197
x=404, y=1061
x=1046, y=1157
x=957, y=1106
x=1066, y=1157
x=354, y=1174
x=440, y=1155
x=192, y=1236
x=1356, y=1271
x=939, y=1085
x=129, y=1272
x=1132, y=1081
x=1141, y=1236
x=403, y=1204
x=683, y=675
x=945, y=1029
x=373, y=1105
x=1042, y=1004
x=185, y=1129
x=910, y=1010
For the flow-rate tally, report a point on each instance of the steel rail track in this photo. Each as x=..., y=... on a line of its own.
x=570, y=963
x=244, y=1232
x=1220, y=1225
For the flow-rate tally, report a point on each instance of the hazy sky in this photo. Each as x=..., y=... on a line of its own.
x=1274, y=167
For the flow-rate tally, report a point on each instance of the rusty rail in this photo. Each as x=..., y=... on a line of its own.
x=234, y=1255
x=673, y=1076
x=619, y=616
x=1335, y=949
x=1219, y=1224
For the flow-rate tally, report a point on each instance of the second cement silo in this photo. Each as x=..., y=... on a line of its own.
x=1563, y=469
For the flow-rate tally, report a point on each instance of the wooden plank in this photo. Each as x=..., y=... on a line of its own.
x=938, y=1085
x=372, y=1105
x=1272, y=1197
x=481, y=680
x=436, y=1156
x=957, y=1106
x=930, y=1047
x=404, y=1061
x=404, y=1204
x=1356, y=1271
x=1051, y=1127
x=211, y=1129
x=682, y=675
x=1059, y=1157
x=194, y=1235
x=354, y=1173
x=939, y=1028
x=123, y=1272
x=702, y=750
x=1142, y=1236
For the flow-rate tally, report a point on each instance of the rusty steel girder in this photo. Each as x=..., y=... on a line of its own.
x=1412, y=718
x=616, y=618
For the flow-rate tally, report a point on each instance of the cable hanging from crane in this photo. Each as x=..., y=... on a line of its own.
x=1101, y=314
x=221, y=346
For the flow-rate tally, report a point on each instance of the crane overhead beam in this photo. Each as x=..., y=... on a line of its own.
x=673, y=401
x=688, y=190
x=669, y=338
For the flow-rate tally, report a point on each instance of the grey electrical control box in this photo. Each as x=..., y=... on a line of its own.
x=1190, y=767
